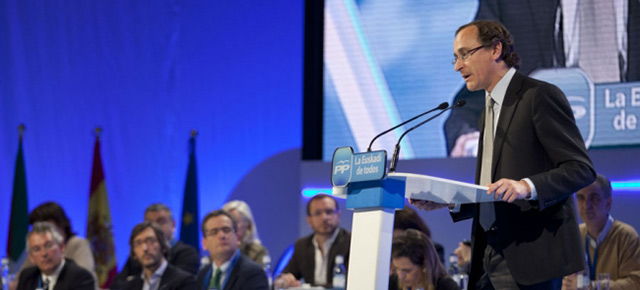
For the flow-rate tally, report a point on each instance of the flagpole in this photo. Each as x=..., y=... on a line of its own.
x=21, y=130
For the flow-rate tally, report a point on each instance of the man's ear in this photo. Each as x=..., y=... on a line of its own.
x=496, y=52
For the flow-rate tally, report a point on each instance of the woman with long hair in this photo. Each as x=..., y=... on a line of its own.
x=250, y=244
x=417, y=265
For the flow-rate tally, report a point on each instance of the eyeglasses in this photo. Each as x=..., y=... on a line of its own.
x=329, y=212
x=148, y=241
x=215, y=231
x=463, y=56
x=47, y=246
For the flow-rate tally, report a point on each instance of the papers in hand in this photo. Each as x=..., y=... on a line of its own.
x=440, y=190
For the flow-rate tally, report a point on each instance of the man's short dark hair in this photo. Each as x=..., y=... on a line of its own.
x=216, y=213
x=605, y=184
x=139, y=228
x=318, y=197
x=51, y=211
x=490, y=32
x=156, y=207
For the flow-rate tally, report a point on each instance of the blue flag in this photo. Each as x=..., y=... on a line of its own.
x=189, y=233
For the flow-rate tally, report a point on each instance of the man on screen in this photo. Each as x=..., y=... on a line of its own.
x=532, y=164
x=600, y=37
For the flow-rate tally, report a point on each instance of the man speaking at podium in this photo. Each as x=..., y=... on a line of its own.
x=532, y=157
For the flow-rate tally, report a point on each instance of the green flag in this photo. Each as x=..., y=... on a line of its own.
x=19, y=220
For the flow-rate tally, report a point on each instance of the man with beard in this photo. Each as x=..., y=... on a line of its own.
x=314, y=256
x=180, y=254
x=149, y=247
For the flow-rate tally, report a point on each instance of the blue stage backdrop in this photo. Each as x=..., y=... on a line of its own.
x=148, y=72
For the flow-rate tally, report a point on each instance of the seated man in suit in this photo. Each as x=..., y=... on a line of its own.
x=180, y=254
x=229, y=269
x=149, y=247
x=51, y=271
x=314, y=255
x=614, y=246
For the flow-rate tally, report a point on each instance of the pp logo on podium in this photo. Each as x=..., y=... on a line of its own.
x=348, y=167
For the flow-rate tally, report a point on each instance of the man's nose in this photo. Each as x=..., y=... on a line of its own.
x=458, y=64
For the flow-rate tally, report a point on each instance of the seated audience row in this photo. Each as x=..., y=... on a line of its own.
x=60, y=259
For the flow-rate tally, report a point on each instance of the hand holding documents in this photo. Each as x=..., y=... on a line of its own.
x=440, y=190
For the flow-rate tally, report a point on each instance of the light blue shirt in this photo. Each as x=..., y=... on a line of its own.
x=154, y=282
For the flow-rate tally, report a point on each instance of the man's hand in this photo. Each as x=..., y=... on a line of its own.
x=286, y=280
x=509, y=190
x=570, y=282
x=426, y=205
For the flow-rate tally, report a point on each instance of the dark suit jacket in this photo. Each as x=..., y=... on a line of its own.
x=173, y=278
x=302, y=263
x=180, y=255
x=532, y=24
x=245, y=275
x=72, y=277
x=536, y=138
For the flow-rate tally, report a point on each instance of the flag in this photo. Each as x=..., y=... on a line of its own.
x=19, y=220
x=99, y=227
x=189, y=233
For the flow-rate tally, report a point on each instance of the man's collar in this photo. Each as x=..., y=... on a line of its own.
x=225, y=266
x=159, y=272
x=330, y=241
x=603, y=234
x=500, y=89
x=55, y=273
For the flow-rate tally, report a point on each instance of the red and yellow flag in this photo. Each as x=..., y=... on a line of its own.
x=99, y=227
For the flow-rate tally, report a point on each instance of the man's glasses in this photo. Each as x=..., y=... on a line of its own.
x=463, y=56
x=47, y=246
x=215, y=231
x=329, y=212
x=148, y=241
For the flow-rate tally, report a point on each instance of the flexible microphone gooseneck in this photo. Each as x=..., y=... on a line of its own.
x=439, y=107
x=396, y=152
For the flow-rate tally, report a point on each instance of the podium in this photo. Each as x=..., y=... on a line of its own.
x=374, y=196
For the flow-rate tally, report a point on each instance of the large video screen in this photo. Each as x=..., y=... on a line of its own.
x=387, y=61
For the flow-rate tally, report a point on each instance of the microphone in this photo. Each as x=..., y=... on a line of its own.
x=396, y=152
x=439, y=107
